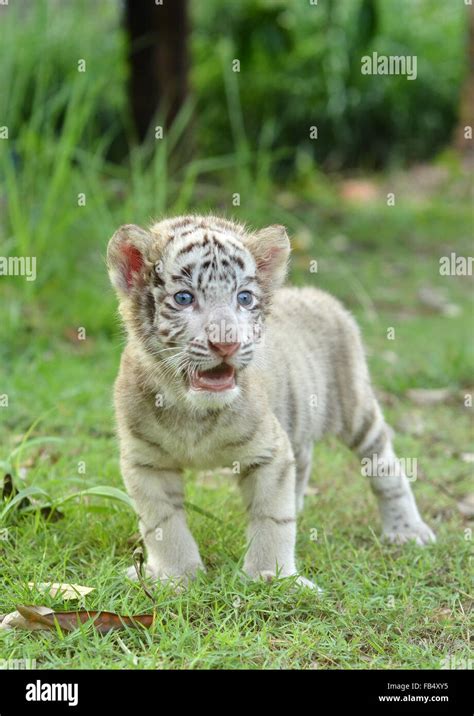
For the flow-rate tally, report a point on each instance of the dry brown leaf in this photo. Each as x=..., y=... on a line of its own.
x=65, y=590
x=33, y=618
x=15, y=620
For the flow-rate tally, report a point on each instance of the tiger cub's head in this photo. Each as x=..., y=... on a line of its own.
x=193, y=294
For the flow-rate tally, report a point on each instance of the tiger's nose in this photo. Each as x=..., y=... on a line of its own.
x=225, y=349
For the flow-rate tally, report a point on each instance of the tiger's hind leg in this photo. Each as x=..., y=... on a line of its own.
x=371, y=440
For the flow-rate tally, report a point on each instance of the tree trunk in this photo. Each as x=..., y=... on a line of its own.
x=463, y=144
x=158, y=59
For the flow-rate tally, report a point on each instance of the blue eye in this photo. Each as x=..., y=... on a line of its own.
x=245, y=298
x=183, y=298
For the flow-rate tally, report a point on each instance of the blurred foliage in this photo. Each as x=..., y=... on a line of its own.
x=300, y=66
x=41, y=46
x=69, y=129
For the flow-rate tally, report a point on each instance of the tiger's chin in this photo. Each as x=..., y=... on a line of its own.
x=211, y=399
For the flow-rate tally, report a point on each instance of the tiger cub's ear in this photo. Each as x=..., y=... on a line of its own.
x=270, y=248
x=126, y=257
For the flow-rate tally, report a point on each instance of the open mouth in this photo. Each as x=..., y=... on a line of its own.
x=222, y=377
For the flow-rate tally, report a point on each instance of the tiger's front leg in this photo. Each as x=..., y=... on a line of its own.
x=172, y=553
x=268, y=491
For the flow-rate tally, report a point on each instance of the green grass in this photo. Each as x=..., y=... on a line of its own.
x=382, y=606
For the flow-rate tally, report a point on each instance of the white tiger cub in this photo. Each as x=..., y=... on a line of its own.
x=223, y=367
